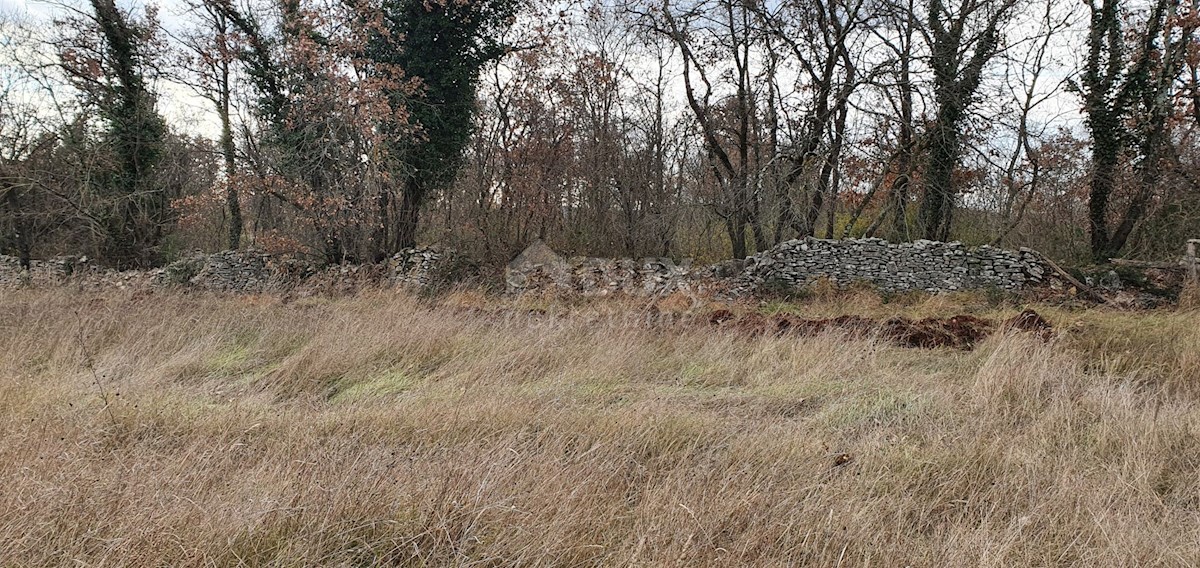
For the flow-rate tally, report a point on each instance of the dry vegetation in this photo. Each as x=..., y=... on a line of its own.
x=386, y=430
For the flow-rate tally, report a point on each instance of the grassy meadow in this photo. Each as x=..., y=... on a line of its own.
x=388, y=430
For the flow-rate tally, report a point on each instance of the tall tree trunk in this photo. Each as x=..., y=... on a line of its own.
x=1106, y=150
x=814, y=208
x=22, y=236
x=907, y=135
x=832, y=171
x=904, y=165
x=736, y=227
x=229, y=153
x=761, y=238
x=409, y=213
x=1149, y=172
x=957, y=73
x=379, y=236
x=939, y=178
x=228, y=148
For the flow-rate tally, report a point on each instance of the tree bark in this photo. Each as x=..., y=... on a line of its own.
x=408, y=215
x=228, y=151
x=736, y=227
x=936, y=207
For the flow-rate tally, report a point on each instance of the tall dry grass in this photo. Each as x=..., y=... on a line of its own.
x=382, y=430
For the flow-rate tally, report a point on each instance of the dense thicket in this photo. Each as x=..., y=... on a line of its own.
x=346, y=131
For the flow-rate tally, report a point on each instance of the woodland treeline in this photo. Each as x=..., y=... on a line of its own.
x=347, y=130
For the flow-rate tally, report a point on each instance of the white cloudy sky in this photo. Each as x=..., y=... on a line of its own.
x=184, y=110
x=181, y=106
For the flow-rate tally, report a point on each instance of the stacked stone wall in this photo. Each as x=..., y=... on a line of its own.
x=921, y=265
x=428, y=268
x=41, y=272
x=540, y=269
x=244, y=271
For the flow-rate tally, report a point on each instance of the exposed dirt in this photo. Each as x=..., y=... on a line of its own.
x=961, y=331
x=1030, y=321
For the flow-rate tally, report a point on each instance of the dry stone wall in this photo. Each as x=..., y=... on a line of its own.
x=540, y=269
x=921, y=265
x=73, y=271
x=428, y=268
x=244, y=271
x=227, y=271
x=41, y=272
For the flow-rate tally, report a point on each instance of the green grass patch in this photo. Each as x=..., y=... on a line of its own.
x=389, y=383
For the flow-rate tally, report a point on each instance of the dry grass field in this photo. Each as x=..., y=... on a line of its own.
x=381, y=429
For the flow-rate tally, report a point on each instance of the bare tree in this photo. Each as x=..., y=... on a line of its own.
x=1021, y=174
x=820, y=39
x=715, y=39
x=210, y=54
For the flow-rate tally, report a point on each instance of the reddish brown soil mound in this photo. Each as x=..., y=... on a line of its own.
x=1031, y=321
x=961, y=332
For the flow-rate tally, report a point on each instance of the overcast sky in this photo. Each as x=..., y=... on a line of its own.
x=190, y=113
x=181, y=107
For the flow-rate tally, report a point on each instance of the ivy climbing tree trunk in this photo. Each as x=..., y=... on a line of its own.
x=964, y=39
x=113, y=78
x=1127, y=88
x=444, y=45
